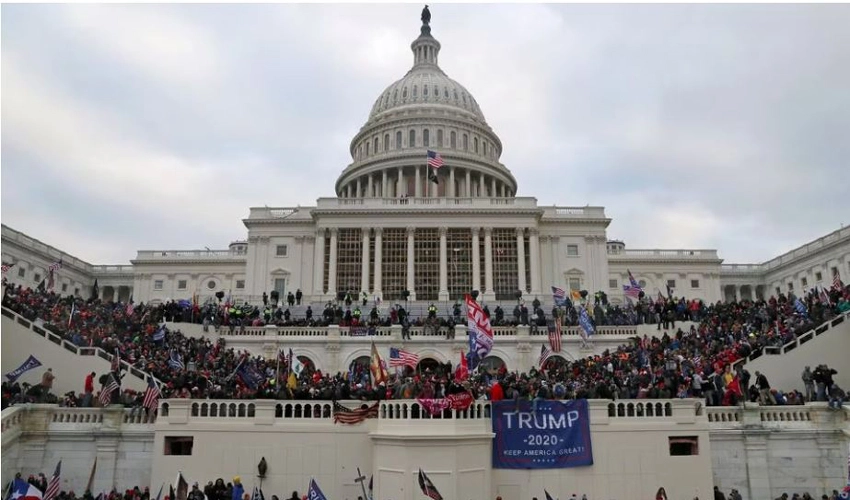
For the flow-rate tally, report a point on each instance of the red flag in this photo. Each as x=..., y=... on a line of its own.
x=462, y=371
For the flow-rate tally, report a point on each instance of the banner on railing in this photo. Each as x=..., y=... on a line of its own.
x=358, y=331
x=555, y=436
x=460, y=401
x=29, y=364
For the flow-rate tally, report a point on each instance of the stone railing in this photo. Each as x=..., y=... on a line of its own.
x=12, y=419
x=109, y=270
x=797, y=341
x=48, y=252
x=750, y=415
x=187, y=254
x=665, y=254
x=740, y=268
x=424, y=202
x=39, y=418
x=809, y=248
x=71, y=347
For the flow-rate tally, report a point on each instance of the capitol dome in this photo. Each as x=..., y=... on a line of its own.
x=425, y=110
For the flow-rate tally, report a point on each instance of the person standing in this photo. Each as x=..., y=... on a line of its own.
x=763, y=385
x=88, y=390
x=809, y=384
x=47, y=382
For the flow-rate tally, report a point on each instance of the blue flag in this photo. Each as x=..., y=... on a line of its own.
x=159, y=334
x=28, y=365
x=175, y=361
x=249, y=376
x=584, y=321
x=314, y=493
x=800, y=307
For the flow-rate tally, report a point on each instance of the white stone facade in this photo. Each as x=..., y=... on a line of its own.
x=761, y=451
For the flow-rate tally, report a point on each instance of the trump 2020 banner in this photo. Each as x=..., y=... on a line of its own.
x=555, y=436
x=30, y=364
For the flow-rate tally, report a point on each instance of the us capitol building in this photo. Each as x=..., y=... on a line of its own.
x=390, y=228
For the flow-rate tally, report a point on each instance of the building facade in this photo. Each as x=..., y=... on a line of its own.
x=395, y=225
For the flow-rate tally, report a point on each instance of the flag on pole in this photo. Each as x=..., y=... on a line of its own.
x=462, y=371
x=52, y=490
x=545, y=354
x=584, y=321
x=56, y=265
x=71, y=316
x=555, y=335
x=480, y=332
x=560, y=296
x=314, y=492
x=116, y=361
x=400, y=357
x=22, y=490
x=182, y=487
x=6, y=267
x=376, y=366
x=435, y=161
x=152, y=394
x=836, y=280
x=428, y=488
x=108, y=389
x=50, y=282
x=129, y=310
x=90, y=484
x=548, y=496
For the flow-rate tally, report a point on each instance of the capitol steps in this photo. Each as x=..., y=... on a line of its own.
x=71, y=364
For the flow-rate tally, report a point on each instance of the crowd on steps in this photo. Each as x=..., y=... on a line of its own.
x=679, y=363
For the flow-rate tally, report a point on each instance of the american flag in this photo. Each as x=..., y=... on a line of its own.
x=106, y=393
x=50, y=282
x=545, y=354
x=434, y=159
x=130, y=307
x=836, y=280
x=555, y=335
x=55, y=266
x=6, y=267
x=52, y=490
x=400, y=357
x=348, y=416
x=631, y=291
x=151, y=395
x=560, y=296
x=116, y=361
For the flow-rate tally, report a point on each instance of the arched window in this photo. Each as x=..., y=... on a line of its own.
x=464, y=98
x=375, y=145
x=484, y=143
x=436, y=91
x=453, y=140
x=475, y=145
x=415, y=93
x=424, y=91
x=465, y=142
x=411, y=140
x=386, y=142
x=439, y=138
x=455, y=92
x=446, y=92
x=360, y=152
x=398, y=140
x=426, y=137
x=395, y=96
x=404, y=93
x=367, y=148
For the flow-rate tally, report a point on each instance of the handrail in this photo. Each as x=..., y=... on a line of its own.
x=73, y=348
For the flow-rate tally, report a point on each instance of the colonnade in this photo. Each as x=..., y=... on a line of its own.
x=458, y=183
x=487, y=291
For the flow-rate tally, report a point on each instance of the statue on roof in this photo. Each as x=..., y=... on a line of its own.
x=426, y=16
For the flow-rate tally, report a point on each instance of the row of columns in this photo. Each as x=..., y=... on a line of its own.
x=488, y=291
x=465, y=186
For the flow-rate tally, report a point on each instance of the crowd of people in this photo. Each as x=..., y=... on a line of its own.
x=691, y=362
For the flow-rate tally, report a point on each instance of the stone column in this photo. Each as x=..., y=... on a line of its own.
x=444, y=278
x=115, y=294
x=489, y=293
x=379, y=258
x=493, y=187
x=418, y=185
x=476, y=260
x=410, y=256
x=399, y=192
x=357, y=195
x=364, y=268
x=452, y=191
x=520, y=256
x=503, y=190
x=370, y=190
x=482, y=186
x=384, y=185
x=534, y=249
x=468, y=184
x=319, y=265
x=332, y=263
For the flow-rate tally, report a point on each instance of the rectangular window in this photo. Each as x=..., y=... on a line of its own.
x=64, y=287
x=76, y=291
x=157, y=285
x=790, y=286
x=181, y=285
x=834, y=271
x=818, y=276
x=439, y=138
x=683, y=446
x=411, y=140
x=671, y=283
x=240, y=284
x=575, y=283
x=804, y=282
x=178, y=445
x=281, y=250
x=612, y=283
x=37, y=278
x=426, y=137
x=778, y=290
x=572, y=250
x=21, y=272
x=694, y=283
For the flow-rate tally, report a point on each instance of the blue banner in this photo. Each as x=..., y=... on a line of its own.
x=555, y=436
x=28, y=365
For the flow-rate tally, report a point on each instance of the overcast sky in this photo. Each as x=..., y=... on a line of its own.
x=128, y=127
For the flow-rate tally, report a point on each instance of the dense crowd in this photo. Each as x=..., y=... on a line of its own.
x=694, y=362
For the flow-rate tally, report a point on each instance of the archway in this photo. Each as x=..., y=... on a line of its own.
x=426, y=364
x=555, y=362
x=492, y=364
x=309, y=366
x=358, y=370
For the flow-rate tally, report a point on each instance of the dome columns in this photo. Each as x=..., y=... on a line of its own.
x=414, y=181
